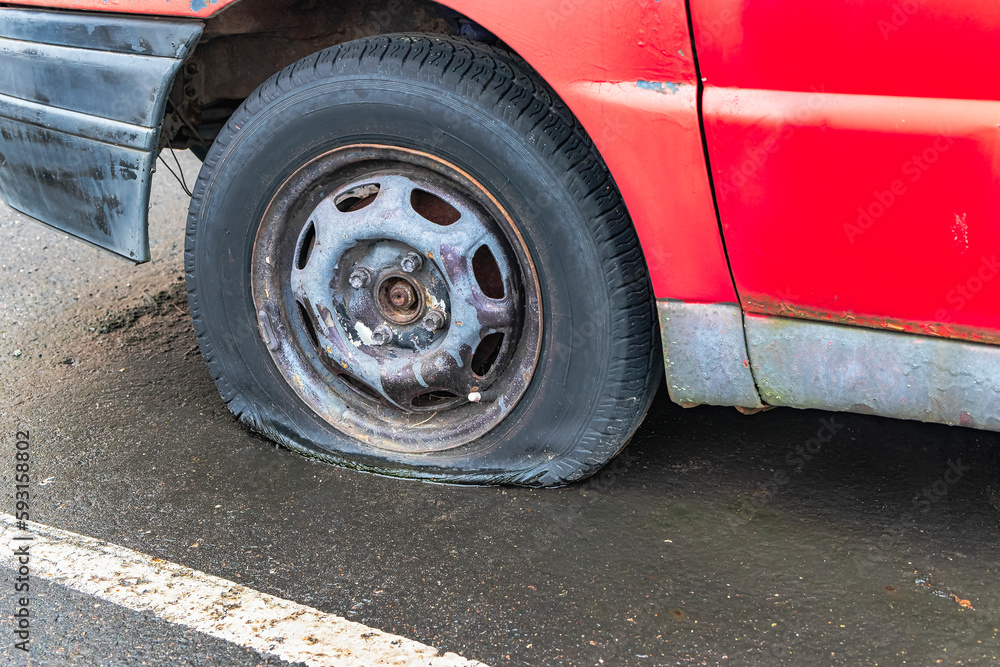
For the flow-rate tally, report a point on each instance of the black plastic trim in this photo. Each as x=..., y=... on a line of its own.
x=82, y=97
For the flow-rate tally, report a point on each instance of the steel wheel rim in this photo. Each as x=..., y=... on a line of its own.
x=391, y=287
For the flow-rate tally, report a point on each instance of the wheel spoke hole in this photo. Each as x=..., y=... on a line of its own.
x=306, y=246
x=307, y=324
x=486, y=354
x=487, y=272
x=433, y=399
x=360, y=387
x=357, y=198
x=433, y=208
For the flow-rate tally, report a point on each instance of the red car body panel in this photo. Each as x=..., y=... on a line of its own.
x=191, y=8
x=854, y=149
x=626, y=69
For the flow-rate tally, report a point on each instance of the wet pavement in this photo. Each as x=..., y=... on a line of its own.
x=787, y=537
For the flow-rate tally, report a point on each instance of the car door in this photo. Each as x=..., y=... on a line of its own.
x=854, y=152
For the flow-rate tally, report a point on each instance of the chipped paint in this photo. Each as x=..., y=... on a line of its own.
x=364, y=333
x=418, y=372
x=422, y=365
x=663, y=87
x=201, y=8
x=201, y=5
x=960, y=234
x=768, y=305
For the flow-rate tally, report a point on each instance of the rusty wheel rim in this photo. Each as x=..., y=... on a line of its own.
x=397, y=298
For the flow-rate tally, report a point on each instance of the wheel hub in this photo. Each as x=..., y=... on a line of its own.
x=407, y=312
x=369, y=292
x=400, y=299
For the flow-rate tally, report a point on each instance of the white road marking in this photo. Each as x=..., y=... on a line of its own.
x=208, y=604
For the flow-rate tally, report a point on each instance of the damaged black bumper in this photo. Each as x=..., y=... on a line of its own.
x=81, y=103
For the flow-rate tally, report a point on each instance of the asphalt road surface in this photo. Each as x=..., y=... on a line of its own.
x=788, y=537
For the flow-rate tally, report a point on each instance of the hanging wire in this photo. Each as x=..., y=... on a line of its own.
x=180, y=179
x=187, y=123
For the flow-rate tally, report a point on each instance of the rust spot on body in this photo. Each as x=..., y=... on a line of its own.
x=768, y=305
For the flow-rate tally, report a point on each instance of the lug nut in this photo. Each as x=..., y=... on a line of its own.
x=360, y=277
x=381, y=335
x=433, y=320
x=411, y=262
x=402, y=296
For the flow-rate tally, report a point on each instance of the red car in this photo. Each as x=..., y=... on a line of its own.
x=446, y=240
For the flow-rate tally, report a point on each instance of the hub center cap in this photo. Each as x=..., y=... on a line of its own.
x=399, y=300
